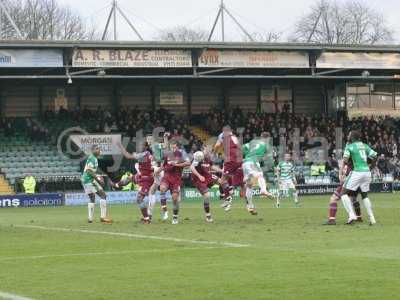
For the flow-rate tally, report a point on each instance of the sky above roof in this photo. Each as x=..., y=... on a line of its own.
x=152, y=16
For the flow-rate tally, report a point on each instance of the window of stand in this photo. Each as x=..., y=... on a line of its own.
x=275, y=98
x=380, y=96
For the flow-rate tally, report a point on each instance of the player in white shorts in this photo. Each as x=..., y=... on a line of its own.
x=286, y=179
x=359, y=177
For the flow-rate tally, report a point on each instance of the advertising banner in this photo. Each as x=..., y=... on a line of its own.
x=321, y=189
x=106, y=142
x=32, y=200
x=132, y=58
x=171, y=98
x=355, y=60
x=253, y=59
x=375, y=187
x=112, y=198
x=45, y=58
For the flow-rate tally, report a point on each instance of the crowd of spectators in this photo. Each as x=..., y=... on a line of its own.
x=129, y=120
x=25, y=126
x=7, y=125
x=381, y=133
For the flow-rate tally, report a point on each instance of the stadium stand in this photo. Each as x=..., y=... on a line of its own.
x=383, y=133
x=29, y=144
x=21, y=154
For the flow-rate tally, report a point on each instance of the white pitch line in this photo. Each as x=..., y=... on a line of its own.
x=8, y=296
x=137, y=236
x=12, y=258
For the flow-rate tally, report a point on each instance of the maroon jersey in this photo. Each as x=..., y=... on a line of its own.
x=203, y=167
x=170, y=170
x=232, y=149
x=346, y=172
x=145, y=163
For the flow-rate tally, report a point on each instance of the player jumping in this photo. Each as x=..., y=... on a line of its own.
x=202, y=178
x=360, y=177
x=173, y=165
x=286, y=179
x=254, y=152
x=232, y=175
x=144, y=178
x=91, y=183
x=158, y=152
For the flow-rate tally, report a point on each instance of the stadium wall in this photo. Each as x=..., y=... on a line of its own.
x=198, y=96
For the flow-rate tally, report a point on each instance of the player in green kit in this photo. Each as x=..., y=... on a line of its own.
x=254, y=152
x=286, y=179
x=360, y=176
x=91, y=183
x=158, y=155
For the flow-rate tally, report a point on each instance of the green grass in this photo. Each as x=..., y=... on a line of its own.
x=290, y=254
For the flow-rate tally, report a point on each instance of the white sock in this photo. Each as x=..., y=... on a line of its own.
x=296, y=196
x=348, y=206
x=262, y=184
x=90, y=211
x=249, y=197
x=368, y=207
x=103, y=208
x=152, y=203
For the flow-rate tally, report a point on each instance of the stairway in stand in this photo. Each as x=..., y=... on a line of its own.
x=200, y=133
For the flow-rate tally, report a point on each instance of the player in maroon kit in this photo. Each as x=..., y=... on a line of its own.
x=337, y=195
x=174, y=163
x=232, y=175
x=144, y=178
x=202, y=178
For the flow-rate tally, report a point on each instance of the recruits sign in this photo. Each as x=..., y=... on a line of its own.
x=350, y=60
x=253, y=59
x=133, y=58
x=171, y=98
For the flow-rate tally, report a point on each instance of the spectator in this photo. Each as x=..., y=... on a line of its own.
x=29, y=184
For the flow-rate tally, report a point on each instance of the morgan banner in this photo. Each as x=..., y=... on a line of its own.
x=254, y=59
x=349, y=60
x=132, y=58
x=106, y=142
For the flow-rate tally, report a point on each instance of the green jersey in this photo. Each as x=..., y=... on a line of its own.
x=359, y=154
x=254, y=151
x=157, y=152
x=91, y=164
x=286, y=170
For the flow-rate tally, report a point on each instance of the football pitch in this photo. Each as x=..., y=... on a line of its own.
x=285, y=253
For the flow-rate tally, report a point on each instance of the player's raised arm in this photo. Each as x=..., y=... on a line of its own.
x=193, y=166
x=125, y=153
x=165, y=144
x=184, y=163
x=219, y=142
